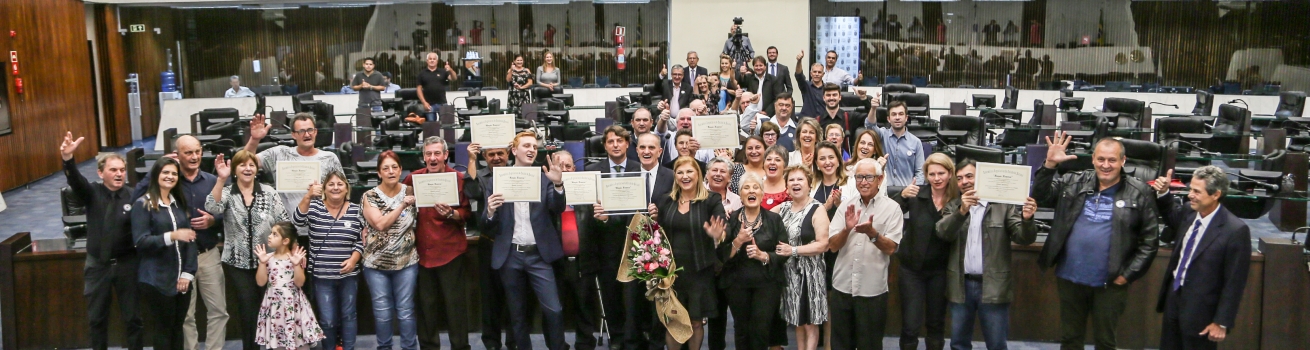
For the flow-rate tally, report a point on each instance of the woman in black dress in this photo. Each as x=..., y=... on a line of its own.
x=753, y=272
x=693, y=219
x=520, y=80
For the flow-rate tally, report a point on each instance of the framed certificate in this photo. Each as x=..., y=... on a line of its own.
x=492, y=131
x=1003, y=183
x=580, y=187
x=715, y=132
x=295, y=177
x=623, y=194
x=433, y=189
x=518, y=184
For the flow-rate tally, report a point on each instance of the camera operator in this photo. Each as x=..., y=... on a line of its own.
x=738, y=46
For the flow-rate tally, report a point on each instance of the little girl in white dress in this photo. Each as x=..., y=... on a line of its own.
x=285, y=318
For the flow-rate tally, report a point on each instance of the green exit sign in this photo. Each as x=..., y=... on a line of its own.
x=137, y=28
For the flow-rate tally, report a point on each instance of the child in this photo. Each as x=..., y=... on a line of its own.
x=285, y=319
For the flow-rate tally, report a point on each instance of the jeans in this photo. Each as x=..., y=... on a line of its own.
x=1104, y=304
x=923, y=302
x=995, y=320
x=431, y=115
x=394, y=289
x=336, y=310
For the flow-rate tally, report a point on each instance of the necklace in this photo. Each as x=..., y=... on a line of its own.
x=752, y=224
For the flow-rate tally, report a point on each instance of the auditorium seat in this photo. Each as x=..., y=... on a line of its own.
x=1146, y=159
x=74, y=214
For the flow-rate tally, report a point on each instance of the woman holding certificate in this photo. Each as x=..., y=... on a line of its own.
x=693, y=219
x=390, y=256
x=805, y=298
x=249, y=211
x=806, y=138
x=753, y=272
x=923, y=255
x=335, y=247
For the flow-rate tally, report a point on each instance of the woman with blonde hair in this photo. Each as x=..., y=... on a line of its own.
x=807, y=135
x=727, y=84
x=923, y=255
x=693, y=220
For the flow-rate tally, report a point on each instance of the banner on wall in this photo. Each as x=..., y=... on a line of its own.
x=840, y=34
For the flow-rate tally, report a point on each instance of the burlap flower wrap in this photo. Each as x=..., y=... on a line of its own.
x=649, y=258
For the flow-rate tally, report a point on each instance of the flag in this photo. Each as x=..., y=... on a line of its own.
x=1100, y=29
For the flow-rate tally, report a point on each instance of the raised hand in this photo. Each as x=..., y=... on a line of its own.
x=494, y=201
x=800, y=56
x=723, y=152
x=912, y=190
x=297, y=255
x=262, y=254
x=315, y=190
x=69, y=145
x=1056, y=148
x=664, y=70
x=1161, y=184
x=663, y=105
x=693, y=146
x=968, y=200
x=258, y=128
x=851, y=216
x=1029, y=208
x=552, y=170
x=834, y=198
x=743, y=69
x=222, y=166
x=598, y=212
x=867, y=229
x=715, y=226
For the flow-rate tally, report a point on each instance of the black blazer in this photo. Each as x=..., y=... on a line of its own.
x=920, y=248
x=162, y=265
x=784, y=76
x=743, y=271
x=703, y=252
x=601, y=242
x=686, y=75
x=542, y=215
x=666, y=91
x=1217, y=275
x=772, y=86
x=663, y=183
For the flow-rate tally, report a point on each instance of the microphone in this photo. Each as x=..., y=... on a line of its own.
x=1236, y=100
x=1265, y=185
x=1162, y=104
x=1087, y=145
x=1196, y=149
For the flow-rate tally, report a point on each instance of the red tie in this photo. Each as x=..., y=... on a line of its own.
x=569, y=224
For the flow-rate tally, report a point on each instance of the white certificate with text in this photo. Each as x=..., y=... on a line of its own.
x=580, y=187
x=715, y=132
x=433, y=189
x=296, y=176
x=1003, y=183
x=492, y=131
x=517, y=183
x=619, y=194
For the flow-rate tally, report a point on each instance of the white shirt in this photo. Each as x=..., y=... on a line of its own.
x=759, y=91
x=621, y=165
x=240, y=91
x=861, y=268
x=1180, y=272
x=168, y=236
x=651, y=176
x=523, y=224
x=973, y=253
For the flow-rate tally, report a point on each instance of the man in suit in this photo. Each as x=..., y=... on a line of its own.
x=527, y=243
x=600, y=239
x=642, y=330
x=693, y=69
x=493, y=292
x=675, y=89
x=759, y=82
x=576, y=281
x=778, y=70
x=1203, y=285
x=642, y=122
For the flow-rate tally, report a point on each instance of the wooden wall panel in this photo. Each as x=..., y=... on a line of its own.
x=55, y=66
x=109, y=48
x=148, y=58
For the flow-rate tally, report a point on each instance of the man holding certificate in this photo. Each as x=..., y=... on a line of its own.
x=493, y=292
x=305, y=132
x=527, y=241
x=1104, y=236
x=601, y=238
x=441, y=245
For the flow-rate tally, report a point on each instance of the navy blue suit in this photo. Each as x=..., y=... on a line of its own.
x=521, y=267
x=1214, y=280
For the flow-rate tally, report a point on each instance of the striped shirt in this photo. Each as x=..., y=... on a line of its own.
x=331, y=240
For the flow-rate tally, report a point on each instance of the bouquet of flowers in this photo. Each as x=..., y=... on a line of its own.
x=648, y=257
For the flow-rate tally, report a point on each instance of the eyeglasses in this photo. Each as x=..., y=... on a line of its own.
x=865, y=178
x=304, y=131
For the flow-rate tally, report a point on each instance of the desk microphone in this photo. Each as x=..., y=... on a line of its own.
x=1195, y=147
x=1087, y=145
x=1162, y=104
x=1273, y=188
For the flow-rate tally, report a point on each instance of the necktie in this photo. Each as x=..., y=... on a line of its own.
x=1187, y=255
x=618, y=168
x=773, y=69
x=650, y=186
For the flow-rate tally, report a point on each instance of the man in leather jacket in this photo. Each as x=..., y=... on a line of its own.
x=1104, y=236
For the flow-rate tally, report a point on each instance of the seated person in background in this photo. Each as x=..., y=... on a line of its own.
x=391, y=88
x=237, y=90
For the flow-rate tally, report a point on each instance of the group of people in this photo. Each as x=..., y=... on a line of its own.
x=796, y=228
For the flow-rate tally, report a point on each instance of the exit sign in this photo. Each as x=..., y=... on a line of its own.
x=137, y=28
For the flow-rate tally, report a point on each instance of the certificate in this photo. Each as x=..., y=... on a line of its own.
x=623, y=194
x=715, y=132
x=296, y=176
x=492, y=131
x=518, y=184
x=580, y=187
x=1003, y=183
x=433, y=189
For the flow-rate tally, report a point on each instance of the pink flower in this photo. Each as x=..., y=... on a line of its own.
x=650, y=267
x=657, y=240
x=645, y=257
